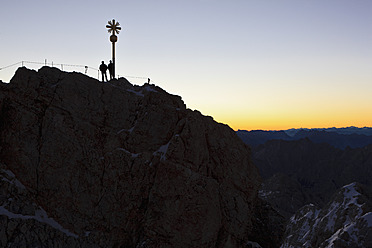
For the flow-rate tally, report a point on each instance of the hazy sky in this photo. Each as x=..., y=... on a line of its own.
x=252, y=64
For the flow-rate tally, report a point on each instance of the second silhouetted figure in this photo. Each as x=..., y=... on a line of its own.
x=103, y=69
x=111, y=70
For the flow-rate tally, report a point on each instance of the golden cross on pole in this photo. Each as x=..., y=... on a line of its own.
x=113, y=27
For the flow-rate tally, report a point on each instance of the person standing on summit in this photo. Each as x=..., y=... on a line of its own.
x=103, y=69
x=111, y=69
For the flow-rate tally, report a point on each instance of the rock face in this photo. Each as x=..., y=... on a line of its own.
x=286, y=194
x=346, y=221
x=117, y=165
x=25, y=224
x=297, y=173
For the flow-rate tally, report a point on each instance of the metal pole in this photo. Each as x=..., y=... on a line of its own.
x=113, y=59
x=113, y=27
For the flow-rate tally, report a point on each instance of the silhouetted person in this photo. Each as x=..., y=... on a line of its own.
x=148, y=80
x=103, y=69
x=111, y=69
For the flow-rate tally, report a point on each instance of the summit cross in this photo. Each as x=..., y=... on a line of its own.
x=113, y=27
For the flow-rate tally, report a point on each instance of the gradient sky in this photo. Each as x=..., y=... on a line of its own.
x=252, y=64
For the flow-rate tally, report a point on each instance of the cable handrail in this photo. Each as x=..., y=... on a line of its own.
x=10, y=65
x=45, y=63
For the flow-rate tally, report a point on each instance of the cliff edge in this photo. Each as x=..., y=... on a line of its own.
x=117, y=165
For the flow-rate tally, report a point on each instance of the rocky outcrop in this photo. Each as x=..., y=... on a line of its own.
x=346, y=221
x=300, y=172
x=25, y=224
x=269, y=226
x=117, y=165
x=286, y=195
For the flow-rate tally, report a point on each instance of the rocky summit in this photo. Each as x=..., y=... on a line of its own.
x=91, y=164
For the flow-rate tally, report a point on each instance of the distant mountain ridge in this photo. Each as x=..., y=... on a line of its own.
x=319, y=180
x=352, y=137
x=343, y=130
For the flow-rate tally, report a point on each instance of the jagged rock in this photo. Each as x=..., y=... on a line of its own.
x=25, y=224
x=286, y=194
x=346, y=221
x=300, y=172
x=269, y=225
x=126, y=166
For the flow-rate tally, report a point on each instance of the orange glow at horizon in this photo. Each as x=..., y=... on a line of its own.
x=285, y=125
x=305, y=120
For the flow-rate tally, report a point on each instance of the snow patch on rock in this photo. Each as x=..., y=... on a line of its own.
x=40, y=216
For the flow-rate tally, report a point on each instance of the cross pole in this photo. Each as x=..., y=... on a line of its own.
x=113, y=27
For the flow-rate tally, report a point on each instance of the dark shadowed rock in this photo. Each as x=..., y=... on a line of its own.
x=258, y=137
x=25, y=224
x=310, y=172
x=286, y=194
x=119, y=165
